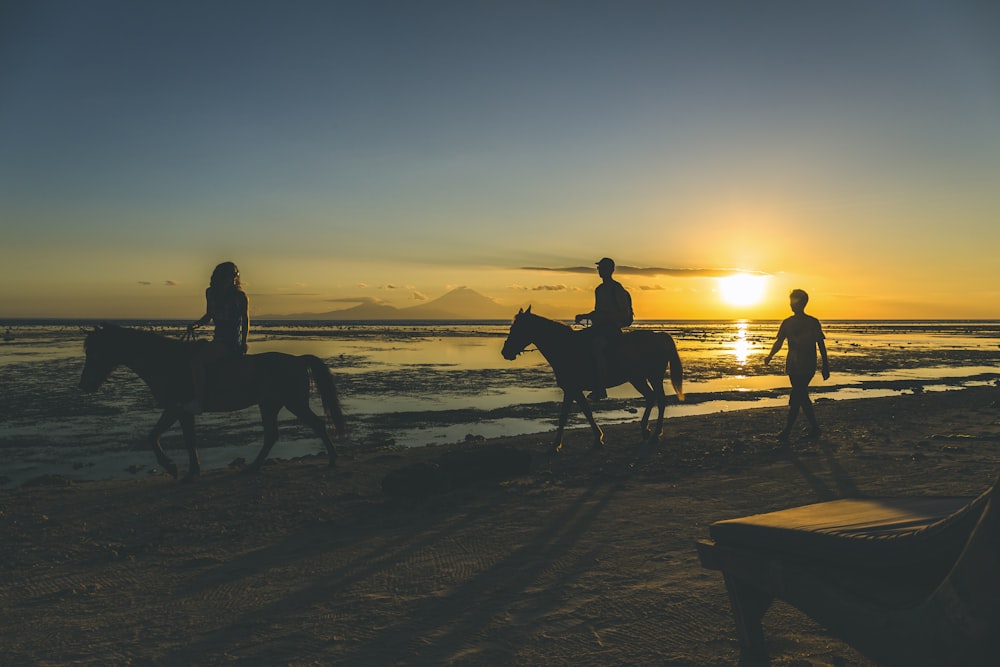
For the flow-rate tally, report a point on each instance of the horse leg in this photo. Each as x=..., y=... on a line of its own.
x=647, y=393
x=194, y=464
x=318, y=425
x=563, y=416
x=166, y=420
x=598, y=433
x=661, y=403
x=269, y=417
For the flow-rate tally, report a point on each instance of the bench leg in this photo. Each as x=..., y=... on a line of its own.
x=749, y=605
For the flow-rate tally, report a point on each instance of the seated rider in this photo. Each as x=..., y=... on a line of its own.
x=612, y=311
x=227, y=305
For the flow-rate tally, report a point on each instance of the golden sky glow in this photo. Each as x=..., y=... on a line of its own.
x=387, y=153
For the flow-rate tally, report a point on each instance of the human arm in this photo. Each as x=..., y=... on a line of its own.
x=778, y=342
x=245, y=322
x=204, y=319
x=592, y=314
x=825, y=369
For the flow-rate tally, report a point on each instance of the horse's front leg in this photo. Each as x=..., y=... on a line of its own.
x=165, y=421
x=194, y=465
x=585, y=406
x=563, y=416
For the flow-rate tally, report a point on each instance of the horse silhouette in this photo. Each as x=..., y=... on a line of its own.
x=640, y=358
x=271, y=381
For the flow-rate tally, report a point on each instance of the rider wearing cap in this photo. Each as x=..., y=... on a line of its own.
x=612, y=311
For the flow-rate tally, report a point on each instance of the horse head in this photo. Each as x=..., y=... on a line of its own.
x=101, y=359
x=519, y=336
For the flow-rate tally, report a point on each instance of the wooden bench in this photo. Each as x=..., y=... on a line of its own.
x=905, y=581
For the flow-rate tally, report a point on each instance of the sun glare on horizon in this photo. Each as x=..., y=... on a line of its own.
x=742, y=289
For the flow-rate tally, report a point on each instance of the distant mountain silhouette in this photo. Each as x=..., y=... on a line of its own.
x=459, y=304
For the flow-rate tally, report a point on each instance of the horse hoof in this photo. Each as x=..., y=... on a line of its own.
x=171, y=469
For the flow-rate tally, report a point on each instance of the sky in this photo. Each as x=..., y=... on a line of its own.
x=342, y=152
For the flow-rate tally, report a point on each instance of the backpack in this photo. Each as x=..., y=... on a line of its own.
x=629, y=316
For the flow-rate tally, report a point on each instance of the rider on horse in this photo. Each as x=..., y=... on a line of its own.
x=612, y=311
x=227, y=306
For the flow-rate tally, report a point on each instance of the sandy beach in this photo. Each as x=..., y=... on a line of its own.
x=588, y=559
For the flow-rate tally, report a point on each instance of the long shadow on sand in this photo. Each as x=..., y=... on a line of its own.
x=491, y=591
x=845, y=486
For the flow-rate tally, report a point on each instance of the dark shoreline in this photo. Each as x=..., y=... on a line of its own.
x=242, y=436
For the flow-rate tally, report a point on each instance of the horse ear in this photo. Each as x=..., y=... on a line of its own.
x=520, y=311
x=528, y=311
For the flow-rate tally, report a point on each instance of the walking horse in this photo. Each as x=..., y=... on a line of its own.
x=272, y=380
x=640, y=358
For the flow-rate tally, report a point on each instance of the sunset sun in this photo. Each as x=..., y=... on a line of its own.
x=742, y=289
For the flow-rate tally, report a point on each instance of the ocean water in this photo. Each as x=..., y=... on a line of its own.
x=419, y=383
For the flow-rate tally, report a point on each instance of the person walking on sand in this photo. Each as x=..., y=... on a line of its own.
x=227, y=306
x=804, y=334
x=612, y=311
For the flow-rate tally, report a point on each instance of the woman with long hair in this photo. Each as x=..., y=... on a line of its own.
x=227, y=306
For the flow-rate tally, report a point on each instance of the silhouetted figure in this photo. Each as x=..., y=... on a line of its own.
x=227, y=306
x=642, y=360
x=612, y=311
x=278, y=381
x=804, y=334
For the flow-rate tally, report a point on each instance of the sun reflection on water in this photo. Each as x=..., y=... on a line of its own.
x=742, y=345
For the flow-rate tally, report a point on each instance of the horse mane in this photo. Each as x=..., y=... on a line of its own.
x=544, y=320
x=130, y=335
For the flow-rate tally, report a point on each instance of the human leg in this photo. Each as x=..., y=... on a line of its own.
x=198, y=381
x=600, y=367
x=798, y=400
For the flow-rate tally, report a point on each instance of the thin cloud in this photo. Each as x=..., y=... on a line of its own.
x=419, y=296
x=652, y=288
x=650, y=271
x=165, y=283
x=549, y=288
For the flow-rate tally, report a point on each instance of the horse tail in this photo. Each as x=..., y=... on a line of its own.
x=323, y=378
x=676, y=371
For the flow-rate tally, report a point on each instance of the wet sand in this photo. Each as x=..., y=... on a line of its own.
x=588, y=559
